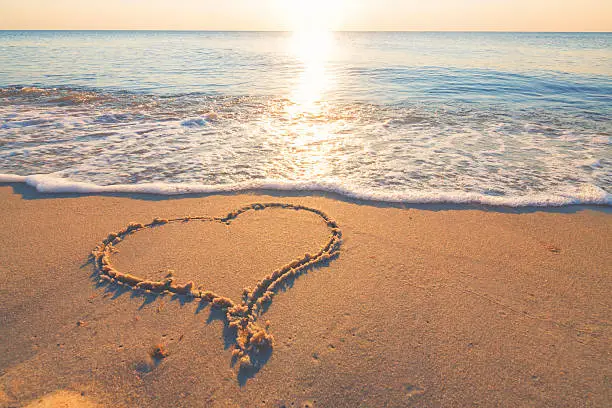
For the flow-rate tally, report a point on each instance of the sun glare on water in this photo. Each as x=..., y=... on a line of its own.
x=312, y=43
x=308, y=137
x=313, y=50
x=307, y=108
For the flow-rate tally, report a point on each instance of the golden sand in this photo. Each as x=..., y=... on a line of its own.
x=63, y=399
x=423, y=306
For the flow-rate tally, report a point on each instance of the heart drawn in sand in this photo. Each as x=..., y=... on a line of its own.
x=251, y=339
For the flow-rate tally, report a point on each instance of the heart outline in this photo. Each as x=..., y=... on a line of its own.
x=251, y=339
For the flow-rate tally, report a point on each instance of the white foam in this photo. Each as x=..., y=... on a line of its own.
x=407, y=154
x=586, y=195
x=12, y=178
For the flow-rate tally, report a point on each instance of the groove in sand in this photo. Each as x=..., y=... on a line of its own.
x=251, y=338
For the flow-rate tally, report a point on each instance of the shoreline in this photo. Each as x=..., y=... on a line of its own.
x=426, y=305
x=32, y=190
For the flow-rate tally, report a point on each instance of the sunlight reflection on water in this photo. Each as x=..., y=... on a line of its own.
x=309, y=136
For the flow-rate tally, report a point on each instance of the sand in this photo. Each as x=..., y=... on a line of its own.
x=423, y=306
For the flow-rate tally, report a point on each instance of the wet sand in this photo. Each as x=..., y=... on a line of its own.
x=427, y=306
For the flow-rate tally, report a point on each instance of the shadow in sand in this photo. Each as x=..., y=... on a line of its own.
x=145, y=367
x=229, y=333
x=202, y=304
x=148, y=298
x=258, y=359
x=112, y=289
x=90, y=261
x=182, y=300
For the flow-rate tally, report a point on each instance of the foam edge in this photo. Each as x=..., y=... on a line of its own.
x=585, y=195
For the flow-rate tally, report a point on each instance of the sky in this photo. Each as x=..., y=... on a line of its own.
x=289, y=15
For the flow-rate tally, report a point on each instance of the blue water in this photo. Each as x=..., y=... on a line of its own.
x=494, y=118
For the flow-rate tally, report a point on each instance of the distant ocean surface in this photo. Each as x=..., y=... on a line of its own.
x=515, y=119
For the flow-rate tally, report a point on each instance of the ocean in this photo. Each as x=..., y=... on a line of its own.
x=512, y=119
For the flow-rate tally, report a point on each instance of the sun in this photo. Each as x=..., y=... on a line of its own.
x=314, y=15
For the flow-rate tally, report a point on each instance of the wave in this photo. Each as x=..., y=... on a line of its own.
x=587, y=195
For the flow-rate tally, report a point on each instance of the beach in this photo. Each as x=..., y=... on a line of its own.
x=424, y=305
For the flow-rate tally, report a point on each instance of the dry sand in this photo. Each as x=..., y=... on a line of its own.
x=425, y=306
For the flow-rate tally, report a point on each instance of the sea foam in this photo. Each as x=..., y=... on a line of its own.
x=587, y=195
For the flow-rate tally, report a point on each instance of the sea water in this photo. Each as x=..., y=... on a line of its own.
x=511, y=119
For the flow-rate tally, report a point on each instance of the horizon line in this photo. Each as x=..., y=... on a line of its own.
x=288, y=31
